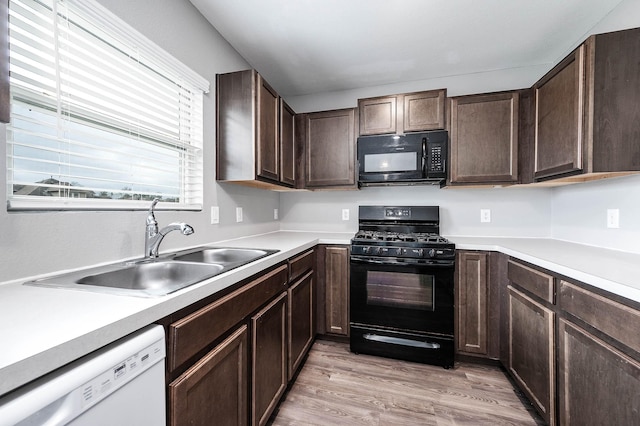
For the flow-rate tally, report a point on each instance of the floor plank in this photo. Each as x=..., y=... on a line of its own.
x=337, y=387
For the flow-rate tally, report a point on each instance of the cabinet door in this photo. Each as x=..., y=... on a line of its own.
x=337, y=290
x=559, y=130
x=531, y=356
x=214, y=390
x=330, y=149
x=598, y=385
x=472, y=297
x=301, y=330
x=269, y=361
x=268, y=141
x=424, y=111
x=378, y=115
x=484, y=138
x=287, y=145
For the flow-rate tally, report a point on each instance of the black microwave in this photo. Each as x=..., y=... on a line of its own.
x=412, y=158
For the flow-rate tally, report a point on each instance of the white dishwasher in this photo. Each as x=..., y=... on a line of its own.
x=121, y=384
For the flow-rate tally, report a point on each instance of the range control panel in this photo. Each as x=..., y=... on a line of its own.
x=397, y=212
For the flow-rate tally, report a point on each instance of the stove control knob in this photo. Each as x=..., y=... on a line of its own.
x=432, y=253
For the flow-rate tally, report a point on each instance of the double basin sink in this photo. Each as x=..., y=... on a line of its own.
x=159, y=276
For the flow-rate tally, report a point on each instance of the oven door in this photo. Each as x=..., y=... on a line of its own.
x=402, y=296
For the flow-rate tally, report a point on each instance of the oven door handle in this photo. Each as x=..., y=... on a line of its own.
x=427, y=263
x=373, y=261
x=400, y=341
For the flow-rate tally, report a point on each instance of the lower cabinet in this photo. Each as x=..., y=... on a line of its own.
x=531, y=356
x=269, y=359
x=213, y=388
x=598, y=385
x=300, y=320
x=231, y=358
x=472, y=298
x=336, y=287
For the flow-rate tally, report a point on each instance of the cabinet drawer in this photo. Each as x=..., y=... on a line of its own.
x=195, y=332
x=300, y=264
x=532, y=280
x=612, y=318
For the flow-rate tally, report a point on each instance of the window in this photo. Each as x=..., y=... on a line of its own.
x=101, y=118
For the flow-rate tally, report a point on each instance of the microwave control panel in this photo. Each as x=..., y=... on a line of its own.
x=436, y=164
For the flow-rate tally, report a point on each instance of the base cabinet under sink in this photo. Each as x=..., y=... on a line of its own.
x=232, y=356
x=214, y=388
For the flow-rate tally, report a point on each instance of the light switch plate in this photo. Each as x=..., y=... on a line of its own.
x=345, y=214
x=275, y=214
x=238, y=214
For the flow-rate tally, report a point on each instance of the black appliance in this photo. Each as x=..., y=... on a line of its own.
x=401, y=285
x=413, y=158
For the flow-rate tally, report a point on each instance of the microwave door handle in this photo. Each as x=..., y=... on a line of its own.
x=424, y=157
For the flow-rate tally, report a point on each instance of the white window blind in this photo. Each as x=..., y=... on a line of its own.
x=101, y=118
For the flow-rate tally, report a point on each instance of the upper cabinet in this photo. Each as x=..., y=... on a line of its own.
x=399, y=114
x=255, y=132
x=484, y=139
x=329, y=149
x=586, y=115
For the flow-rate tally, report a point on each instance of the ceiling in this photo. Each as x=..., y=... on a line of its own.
x=304, y=47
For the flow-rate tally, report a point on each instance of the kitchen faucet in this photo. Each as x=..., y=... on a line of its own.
x=153, y=236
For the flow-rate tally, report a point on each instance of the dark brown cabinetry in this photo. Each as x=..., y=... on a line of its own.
x=598, y=367
x=484, y=139
x=585, y=111
x=332, y=290
x=531, y=336
x=203, y=365
x=255, y=132
x=329, y=145
x=477, y=301
x=213, y=388
x=472, y=298
x=337, y=290
x=300, y=320
x=411, y=112
x=269, y=359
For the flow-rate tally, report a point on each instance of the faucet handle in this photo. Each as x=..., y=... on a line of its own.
x=151, y=218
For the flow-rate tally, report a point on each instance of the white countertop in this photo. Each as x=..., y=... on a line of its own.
x=42, y=329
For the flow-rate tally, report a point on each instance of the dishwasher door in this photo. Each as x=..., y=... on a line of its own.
x=120, y=384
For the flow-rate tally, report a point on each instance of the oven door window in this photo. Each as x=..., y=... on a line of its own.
x=400, y=290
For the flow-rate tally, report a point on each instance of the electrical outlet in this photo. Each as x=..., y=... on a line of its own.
x=485, y=215
x=613, y=218
x=275, y=214
x=345, y=214
x=238, y=214
x=215, y=215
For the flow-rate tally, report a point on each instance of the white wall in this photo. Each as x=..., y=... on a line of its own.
x=36, y=243
x=514, y=212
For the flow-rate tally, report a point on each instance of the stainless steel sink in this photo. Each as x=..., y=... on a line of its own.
x=154, y=278
x=158, y=276
x=143, y=279
x=223, y=255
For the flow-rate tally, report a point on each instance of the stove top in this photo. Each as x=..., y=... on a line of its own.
x=422, y=238
x=401, y=232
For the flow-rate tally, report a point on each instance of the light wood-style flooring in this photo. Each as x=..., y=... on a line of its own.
x=337, y=387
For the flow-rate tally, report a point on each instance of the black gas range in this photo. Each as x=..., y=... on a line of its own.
x=401, y=294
